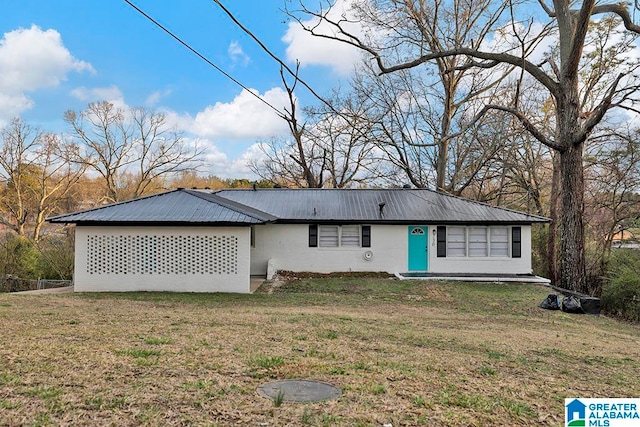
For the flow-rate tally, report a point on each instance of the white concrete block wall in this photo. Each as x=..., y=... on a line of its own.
x=483, y=265
x=287, y=246
x=90, y=276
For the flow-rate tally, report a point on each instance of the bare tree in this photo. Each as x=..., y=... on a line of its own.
x=129, y=148
x=425, y=107
x=330, y=148
x=57, y=179
x=37, y=177
x=347, y=140
x=568, y=23
x=613, y=190
x=17, y=167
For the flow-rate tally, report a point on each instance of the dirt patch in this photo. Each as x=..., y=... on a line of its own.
x=293, y=275
x=283, y=279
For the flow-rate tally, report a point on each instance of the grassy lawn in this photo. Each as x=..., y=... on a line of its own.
x=403, y=353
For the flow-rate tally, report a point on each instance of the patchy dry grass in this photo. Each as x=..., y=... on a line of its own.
x=404, y=353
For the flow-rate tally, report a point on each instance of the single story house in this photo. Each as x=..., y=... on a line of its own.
x=214, y=241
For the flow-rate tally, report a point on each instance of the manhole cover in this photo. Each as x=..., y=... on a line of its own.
x=299, y=390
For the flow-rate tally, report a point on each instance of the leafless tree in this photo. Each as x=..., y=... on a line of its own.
x=129, y=148
x=568, y=24
x=36, y=177
x=291, y=161
x=613, y=189
x=17, y=167
x=330, y=148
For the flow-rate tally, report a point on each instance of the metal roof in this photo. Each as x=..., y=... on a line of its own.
x=248, y=206
x=178, y=206
x=363, y=205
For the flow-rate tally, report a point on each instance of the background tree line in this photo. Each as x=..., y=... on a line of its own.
x=480, y=99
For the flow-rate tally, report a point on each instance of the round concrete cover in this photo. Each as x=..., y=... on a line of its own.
x=299, y=390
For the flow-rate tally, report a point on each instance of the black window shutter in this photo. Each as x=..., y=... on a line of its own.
x=313, y=236
x=516, y=242
x=442, y=241
x=366, y=236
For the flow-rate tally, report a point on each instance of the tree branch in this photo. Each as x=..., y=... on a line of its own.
x=526, y=123
x=620, y=10
x=596, y=115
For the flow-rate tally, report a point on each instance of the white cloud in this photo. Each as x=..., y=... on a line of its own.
x=216, y=162
x=11, y=105
x=312, y=50
x=243, y=118
x=110, y=94
x=153, y=99
x=237, y=54
x=31, y=59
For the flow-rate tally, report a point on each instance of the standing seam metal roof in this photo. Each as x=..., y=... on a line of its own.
x=358, y=205
x=178, y=206
x=247, y=206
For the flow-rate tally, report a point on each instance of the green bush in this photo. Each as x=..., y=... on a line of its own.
x=56, y=258
x=22, y=262
x=18, y=257
x=621, y=290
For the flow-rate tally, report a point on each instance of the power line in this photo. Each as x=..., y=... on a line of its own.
x=274, y=56
x=204, y=58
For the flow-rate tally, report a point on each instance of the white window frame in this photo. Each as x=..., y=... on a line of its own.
x=477, y=241
x=456, y=242
x=495, y=246
x=345, y=236
x=326, y=236
x=503, y=246
x=350, y=236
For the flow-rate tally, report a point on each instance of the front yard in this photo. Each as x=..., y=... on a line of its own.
x=403, y=353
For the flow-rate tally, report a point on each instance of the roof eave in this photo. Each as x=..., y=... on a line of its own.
x=161, y=223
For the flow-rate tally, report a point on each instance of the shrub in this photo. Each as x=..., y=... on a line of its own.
x=621, y=291
x=19, y=257
x=22, y=262
x=56, y=258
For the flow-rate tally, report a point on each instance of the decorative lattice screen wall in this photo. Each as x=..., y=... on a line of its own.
x=113, y=254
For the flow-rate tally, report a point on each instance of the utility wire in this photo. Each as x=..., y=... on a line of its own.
x=294, y=74
x=205, y=59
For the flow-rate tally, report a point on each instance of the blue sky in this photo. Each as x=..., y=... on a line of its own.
x=63, y=54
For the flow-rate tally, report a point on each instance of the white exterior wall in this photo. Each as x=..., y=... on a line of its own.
x=287, y=246
x=483, y=265
x=154, y=258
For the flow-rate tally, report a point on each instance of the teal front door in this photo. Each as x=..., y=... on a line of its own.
x=418, y=248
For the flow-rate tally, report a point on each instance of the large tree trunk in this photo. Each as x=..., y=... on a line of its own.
x=554, y=212
x=572, y=261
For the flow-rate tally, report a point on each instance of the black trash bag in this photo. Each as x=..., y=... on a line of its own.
x=572, y=304
x=552, y=302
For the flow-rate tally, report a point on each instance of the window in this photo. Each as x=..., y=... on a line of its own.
x=456, y=241
x=479, y=242
x=333, y=236
x=329, y=236
x=350, y=236
x=499, y=241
